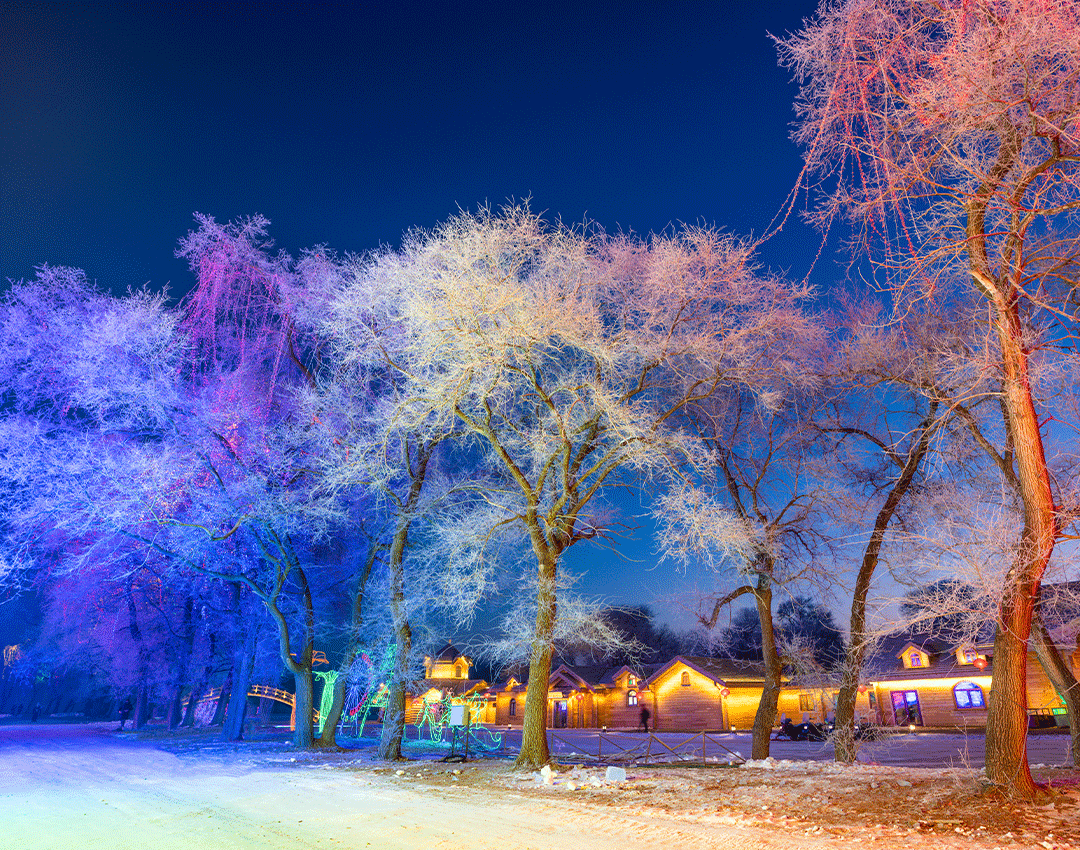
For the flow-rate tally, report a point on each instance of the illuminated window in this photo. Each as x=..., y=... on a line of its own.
x=969, y=656
x=631, y=697
x=968, y=695
x=915, y=659
x=686, y=679
x=631, y=681
x=513, y=708
x=457, y=672
x=807, y=702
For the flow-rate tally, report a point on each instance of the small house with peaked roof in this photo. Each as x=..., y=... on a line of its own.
x=446, y=674
x=929, y=680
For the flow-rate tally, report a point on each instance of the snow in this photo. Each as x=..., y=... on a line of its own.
x=87, y=786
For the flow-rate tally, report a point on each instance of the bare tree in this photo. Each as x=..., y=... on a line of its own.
x=949, y=132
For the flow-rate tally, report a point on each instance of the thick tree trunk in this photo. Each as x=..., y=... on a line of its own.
x=1062, y=678
x=534, y=745
x=328, y=736
x=143, y=705
x=223, y=700
x=1007, y=720
x=200, y=687
x=180, y=668
x=243, y=664
x=393, y=729
x=304, y=735
x=770, y=694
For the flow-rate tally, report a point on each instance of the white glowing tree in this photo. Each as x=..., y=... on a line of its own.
x=560, y=357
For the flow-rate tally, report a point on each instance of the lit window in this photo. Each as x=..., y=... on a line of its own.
x=969, y=656
x=968, y=695
x=631, y=681
x=631, y=697
x=686, y=678
x=807, y=702
x=915, y=660
x=457, y=672
x=513, y=708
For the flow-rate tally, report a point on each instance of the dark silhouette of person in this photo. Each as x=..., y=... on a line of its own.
x=35, y=713
x=125, y=712
x=645, y=718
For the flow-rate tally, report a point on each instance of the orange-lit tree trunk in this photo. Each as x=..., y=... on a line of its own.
x=1007, y=718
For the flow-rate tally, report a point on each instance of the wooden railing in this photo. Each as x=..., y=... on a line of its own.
x=266, y=692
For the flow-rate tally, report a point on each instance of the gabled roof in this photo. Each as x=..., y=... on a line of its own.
x=447, y=653
x=723, y=671
x=885, y=664
x=564, y=675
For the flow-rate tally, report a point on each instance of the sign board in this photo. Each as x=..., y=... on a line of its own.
x=459, y=715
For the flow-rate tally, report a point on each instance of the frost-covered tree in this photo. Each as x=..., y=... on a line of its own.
x=561, y=357
x=949, y=133
x=132, y=425
x=756, y=519
x=899, y=389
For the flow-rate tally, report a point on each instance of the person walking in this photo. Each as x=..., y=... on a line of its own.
x=645, y=718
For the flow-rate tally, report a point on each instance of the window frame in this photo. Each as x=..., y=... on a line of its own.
x=968, y=688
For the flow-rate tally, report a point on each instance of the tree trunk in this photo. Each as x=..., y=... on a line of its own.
x=180, y=668
x=534, y=745
x=1007, y=719
x=393, y=730
x=200, y=687
x=845, y=748
x=304, y=735
x=223, y=699
x=770, y=694
x=328, y=736
x=142, y=705
x=1062, y=678
x=243, y=664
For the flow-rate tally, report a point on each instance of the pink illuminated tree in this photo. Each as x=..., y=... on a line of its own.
x=949, y=133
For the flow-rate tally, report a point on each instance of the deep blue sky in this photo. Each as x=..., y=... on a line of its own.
x=348, y=124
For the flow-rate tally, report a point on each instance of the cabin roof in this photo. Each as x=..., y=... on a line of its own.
x=720, y=670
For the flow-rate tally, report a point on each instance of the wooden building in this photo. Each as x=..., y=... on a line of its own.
x=913, y=680
x=446, y=674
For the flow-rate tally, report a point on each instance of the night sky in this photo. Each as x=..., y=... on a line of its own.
x=348, y=124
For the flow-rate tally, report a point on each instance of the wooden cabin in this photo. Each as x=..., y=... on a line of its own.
x=927, y=681
x=446, y=674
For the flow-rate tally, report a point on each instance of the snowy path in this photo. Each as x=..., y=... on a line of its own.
x=76, y=787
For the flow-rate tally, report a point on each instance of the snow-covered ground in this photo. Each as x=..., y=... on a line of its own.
x=87, y=786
